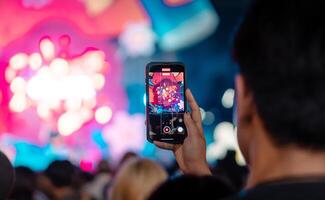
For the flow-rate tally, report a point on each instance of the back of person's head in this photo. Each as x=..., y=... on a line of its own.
x=128, y=155
x=25, y=184
x=137, y=179
x=193, y=187
x=103, y=167
x=61, y=173
x=280, y=49
x=7, y=176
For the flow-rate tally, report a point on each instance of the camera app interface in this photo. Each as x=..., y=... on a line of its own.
x=166, y=102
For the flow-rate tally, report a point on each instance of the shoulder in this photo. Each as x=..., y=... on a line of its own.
x=283, y=190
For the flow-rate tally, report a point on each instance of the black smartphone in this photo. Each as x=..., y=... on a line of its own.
x=166, y=102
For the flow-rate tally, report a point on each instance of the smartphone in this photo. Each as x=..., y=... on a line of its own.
x=165, y=102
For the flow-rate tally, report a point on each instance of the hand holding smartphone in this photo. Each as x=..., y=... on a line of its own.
x=166, y=102
x=166, y=107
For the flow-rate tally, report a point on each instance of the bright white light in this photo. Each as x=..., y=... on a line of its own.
x=39, y=87
x=145, y=99
x=63, y=91
x=47, y=49
x=19, y=61
x=68, y=123
x=94, y=61
x=209, y=118
x=228, y=98
x=73, y=104
x=224, y=139
x=90, y=103
x=44, y=87
x=86, y=114
x=99, y=81
x=18, y=85
x=103, y=114
x=203, y=113
x=224, y=132
x=138, y=39
x=43, y=111
x=10, y=74
x=59, y=67
x=76, y=86
x=18, y=103
x=35, y=61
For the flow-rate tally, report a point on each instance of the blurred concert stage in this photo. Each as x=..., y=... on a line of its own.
x=72, y=75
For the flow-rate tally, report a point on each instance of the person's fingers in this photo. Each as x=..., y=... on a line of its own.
x=190, y=124
x=164, y=145
x=196, y=114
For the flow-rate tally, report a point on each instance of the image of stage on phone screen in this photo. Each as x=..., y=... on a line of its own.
x=166, y=92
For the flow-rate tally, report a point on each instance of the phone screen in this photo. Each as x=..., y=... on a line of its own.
x=166, y=102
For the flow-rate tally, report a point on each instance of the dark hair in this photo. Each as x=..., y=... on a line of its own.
x=25, y=184
x=280, y=49
x=61, y=173
x=7, y=176
x=193, y=187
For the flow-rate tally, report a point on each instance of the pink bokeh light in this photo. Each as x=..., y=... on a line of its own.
x=74, y=48
x=125, y=133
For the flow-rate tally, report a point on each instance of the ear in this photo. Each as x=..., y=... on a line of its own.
x=245, y=114
x=244, y=97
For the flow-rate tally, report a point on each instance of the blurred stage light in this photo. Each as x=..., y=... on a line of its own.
x=176, y=2
x=18, y=103
x=209, y=118
x=18, y=85
x=65, y=89
x=203, y=114
x=90, y=103
x=125, y=133
x=99, y=81
x=73, y=104
x=95, y=7
x=10, y=74
x=93, y=61
x=68, y=123
x=224, y=139
x=47, y=49
x=59, y=67
x=228, y=98
x=35, y=61
x=86, y=166
x=144, y=99
x=18, y=61
x=103, y=114
x=138, y=40
x=43, y=111
x=179, y=24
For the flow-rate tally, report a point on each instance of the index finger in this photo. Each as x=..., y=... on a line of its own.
x=196, y=114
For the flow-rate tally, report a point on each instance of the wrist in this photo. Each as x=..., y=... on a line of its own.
x=201, y=169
